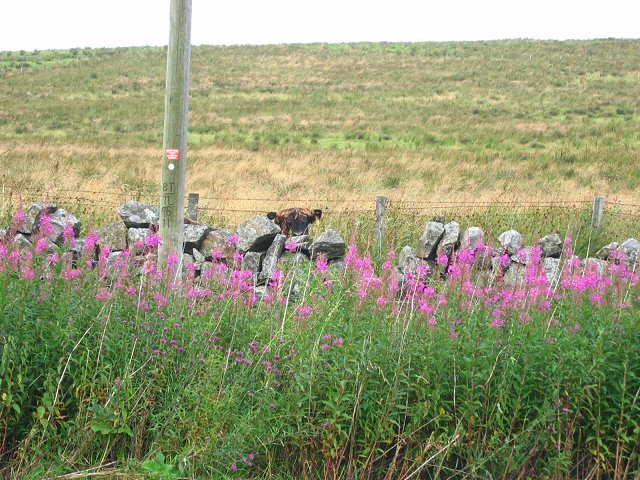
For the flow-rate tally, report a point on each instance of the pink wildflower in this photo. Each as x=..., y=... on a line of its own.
x=19, y=219
x=91, y=240
x=152, y=240
x=41, y=245
x=44, y=225
x=595, y=299
x=290, y=246
x=232, y=240
x=465, y=257
x=321, y=264
x=103, y=295
x=69, y=235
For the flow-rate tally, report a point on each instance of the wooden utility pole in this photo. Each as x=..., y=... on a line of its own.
x=174, y=146
x=381, y=208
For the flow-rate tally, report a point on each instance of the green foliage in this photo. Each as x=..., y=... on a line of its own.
x=159, y=470
x=94, y=372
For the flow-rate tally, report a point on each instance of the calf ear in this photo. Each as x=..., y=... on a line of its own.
x=317, y=213
x=271, y=215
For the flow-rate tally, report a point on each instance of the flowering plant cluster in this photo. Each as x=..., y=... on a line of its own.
x=354, y=359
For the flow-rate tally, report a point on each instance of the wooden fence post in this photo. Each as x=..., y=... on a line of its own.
x=381, y=208
x=598, y=211
x=193, y=206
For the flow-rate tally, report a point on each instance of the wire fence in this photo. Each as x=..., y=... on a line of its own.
x=14, y=194
x=404, y=218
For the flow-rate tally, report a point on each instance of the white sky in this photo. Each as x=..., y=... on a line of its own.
x=54, y=24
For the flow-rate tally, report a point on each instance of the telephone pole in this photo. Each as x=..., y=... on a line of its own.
x=174, y=146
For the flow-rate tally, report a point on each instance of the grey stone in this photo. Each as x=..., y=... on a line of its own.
x=206, y=267
x=194, y=235
x=78, y=249
x=408, y=261
x=187, y=260
x=405, y=254
x=553, y=269
x=605, y=252
x=401, y=279
x=33, y=216
x=514, y=276
x=428, y=243
x=595, y=265
x=337, y=264
x=300, y=258
x=511, y=241
x=78, y=245
x=289, y=261
x=631, y=250
x=260, y=291
x=51, y=246
x=498, y=267
x=22, y=241
x=329, y=244
x=256, y=234
x=138, y=215
x=573, y=263
x=59, y=220
x=291, y=265
x=270, y=261
x=3, y=233
x=137, y=266
x=471, y=237
x=450, y=239
x=551, y=246
x=252, y=261
x=198, y=257
x=113, y=237
x=114, y=263
x=483, y=258
x=303, y=242
x=135, y=235
x=294, y=289
x=216, y=241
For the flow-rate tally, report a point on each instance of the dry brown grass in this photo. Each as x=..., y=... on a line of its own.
x=233, y=182
x=285, y=173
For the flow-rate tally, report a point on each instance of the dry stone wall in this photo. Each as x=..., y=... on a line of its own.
x=262, y=249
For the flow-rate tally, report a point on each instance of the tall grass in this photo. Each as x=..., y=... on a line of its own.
x=431, y=120
x=336, y=372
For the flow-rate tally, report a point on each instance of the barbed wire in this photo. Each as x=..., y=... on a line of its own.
x=615, y=204
x=302, y=200
x=629, y=215
x=486, y=207
x=136, y=192
x=211, y=204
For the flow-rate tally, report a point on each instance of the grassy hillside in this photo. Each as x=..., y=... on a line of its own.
x=355, y=372
x=413, y=121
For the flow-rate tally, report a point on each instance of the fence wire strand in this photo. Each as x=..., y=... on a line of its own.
x=101, y=199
